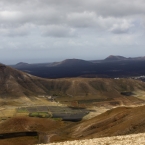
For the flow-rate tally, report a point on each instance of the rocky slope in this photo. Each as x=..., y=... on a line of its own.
x=135, y=139
x=118, y=121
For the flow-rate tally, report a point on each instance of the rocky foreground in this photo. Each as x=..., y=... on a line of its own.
x=135, y=139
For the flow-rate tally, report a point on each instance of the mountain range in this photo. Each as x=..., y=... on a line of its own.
x=111, y=67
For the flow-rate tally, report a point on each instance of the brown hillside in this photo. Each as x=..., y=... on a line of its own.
x=16, y=84
x=118, y=121
x=22, y=124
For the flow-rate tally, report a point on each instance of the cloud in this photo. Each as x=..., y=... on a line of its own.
x=117, y=8
x=84, y=19
x=57, y=31
x=71, y=13
x=19, y=31
x=122, y=27
x=84, y=24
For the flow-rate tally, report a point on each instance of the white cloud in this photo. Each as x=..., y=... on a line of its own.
x=84, y=19
x=19, y=31
x=122, y=27
x=117, y=8
x=57, y=31
x=72, y=13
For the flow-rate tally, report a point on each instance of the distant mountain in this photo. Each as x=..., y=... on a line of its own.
x=22, y=64
x=112, y=66
x=113, y=58
x=66, y=68
x=136, y=58
x=121, y=58
x=73, y=62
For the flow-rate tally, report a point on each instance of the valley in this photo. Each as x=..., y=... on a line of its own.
x=68, y=108
x=72, y=72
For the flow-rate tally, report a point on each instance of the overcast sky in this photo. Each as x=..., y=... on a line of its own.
x=53, y=30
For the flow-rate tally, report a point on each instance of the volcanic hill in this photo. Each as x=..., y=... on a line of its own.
x=15, y=83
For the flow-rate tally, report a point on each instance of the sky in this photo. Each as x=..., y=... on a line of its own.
x=35, y=31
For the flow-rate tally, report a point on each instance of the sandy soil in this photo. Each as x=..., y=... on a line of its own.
x=135, y=139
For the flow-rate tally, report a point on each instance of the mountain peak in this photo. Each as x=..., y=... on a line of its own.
x=71, y=62
x=115, y=57
x=21, y=64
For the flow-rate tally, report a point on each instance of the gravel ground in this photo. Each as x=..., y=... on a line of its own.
x=136, y=139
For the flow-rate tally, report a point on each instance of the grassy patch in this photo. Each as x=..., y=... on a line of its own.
x=40, y=114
